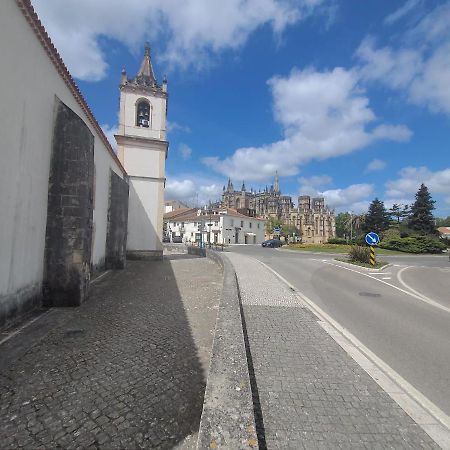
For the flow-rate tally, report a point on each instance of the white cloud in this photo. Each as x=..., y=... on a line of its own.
x=185, y=151
x=316, y=180
x=110, y=131
x=355, y=197
x=402, y=11
x=192, y=189
x=194, y=30
x=323, y=114
x=173, y=127
x=410, y=179
x=419, y=67
x=375, y=164
x=352, y=198
x=180, y=189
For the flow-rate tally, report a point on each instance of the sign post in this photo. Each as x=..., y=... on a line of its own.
x=373, y=240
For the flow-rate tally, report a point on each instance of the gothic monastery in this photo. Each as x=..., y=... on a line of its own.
x=314, y=220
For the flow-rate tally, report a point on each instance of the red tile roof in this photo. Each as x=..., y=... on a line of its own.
x=186, y=214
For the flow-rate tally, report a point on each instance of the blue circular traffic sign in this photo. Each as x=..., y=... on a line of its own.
x=372, y=238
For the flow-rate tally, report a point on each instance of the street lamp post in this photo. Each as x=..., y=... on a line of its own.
x=209, y=232
x=351, y=226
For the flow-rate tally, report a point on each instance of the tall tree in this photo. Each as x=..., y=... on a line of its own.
x=342, y=225
x=377, y=218
x=421, y=218
x=399, y=212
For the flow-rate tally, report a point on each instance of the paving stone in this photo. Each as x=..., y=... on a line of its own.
x=133, y=357
x=297, y=364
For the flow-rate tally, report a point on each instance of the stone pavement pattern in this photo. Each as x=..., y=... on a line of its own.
x=125, y=370
x=312, y=393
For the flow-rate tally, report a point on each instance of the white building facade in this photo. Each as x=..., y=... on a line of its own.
x=142, y=150
x=221, y=226
x=36, y=91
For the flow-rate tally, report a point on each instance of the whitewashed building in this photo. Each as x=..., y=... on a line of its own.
x=218, y=226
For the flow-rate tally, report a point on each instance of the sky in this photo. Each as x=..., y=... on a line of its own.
x=349, y=100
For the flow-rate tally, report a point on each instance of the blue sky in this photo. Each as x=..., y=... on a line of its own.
x=346, y=99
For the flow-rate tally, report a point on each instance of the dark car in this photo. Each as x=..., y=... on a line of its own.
x=166, y=239
x=272, y=243
x=177, y=239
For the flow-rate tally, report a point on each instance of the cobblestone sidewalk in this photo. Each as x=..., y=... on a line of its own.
x=125, y=370
x=311, y=393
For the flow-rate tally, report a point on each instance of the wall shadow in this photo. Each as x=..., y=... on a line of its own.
x=122, y=370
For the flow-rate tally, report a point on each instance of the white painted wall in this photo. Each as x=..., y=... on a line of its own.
x=142, y=152
x=220, y=223
x=144, y=210
x=144, y=162
x=127, y=123
x=29, y=85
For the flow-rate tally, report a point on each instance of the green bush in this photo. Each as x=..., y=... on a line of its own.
x=414, y=244
x=359, y=253
x=337, y=240
x=392, y=233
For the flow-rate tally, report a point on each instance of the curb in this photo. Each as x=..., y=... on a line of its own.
x=228, y=420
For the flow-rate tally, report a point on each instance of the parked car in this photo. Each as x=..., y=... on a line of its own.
x=177, y=239
x=272, y=243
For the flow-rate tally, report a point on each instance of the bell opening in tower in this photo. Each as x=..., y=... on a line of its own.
x=143, y=114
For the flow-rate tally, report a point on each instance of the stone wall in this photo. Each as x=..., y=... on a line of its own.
x=68, y=239
x=116, y=237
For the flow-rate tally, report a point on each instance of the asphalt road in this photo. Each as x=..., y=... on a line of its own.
x=402, y=314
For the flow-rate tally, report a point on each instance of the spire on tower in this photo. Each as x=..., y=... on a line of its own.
x=276, y=185
x=146, y=76
x=243, y=186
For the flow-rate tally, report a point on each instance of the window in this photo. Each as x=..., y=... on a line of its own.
x=216, y=223
x=242, y=223
x=250, y=224
x=231, y=222
x=258, y=225
x=143, y=113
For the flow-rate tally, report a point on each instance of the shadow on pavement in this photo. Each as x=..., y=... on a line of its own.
x=120, y=371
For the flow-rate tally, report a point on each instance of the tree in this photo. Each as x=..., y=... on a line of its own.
x=421, y=218
x=377, y=218
x=399, y=212
x=441, y=222
x=273, y=222
x=342, y=221
x=286, y=229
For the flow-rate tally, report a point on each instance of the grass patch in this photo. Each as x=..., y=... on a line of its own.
x=378, y=264
x=337, y=248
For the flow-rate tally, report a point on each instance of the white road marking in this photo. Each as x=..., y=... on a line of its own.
x=379, y=273
x=385, y=278
x=411, y=293
x=424, y=412
x=424, y=297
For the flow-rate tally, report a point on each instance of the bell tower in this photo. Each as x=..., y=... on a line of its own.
x=142, y=150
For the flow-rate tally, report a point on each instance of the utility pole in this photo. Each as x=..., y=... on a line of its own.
x=351, y=226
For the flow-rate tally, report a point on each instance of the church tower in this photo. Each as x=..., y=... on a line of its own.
x=142, y=150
